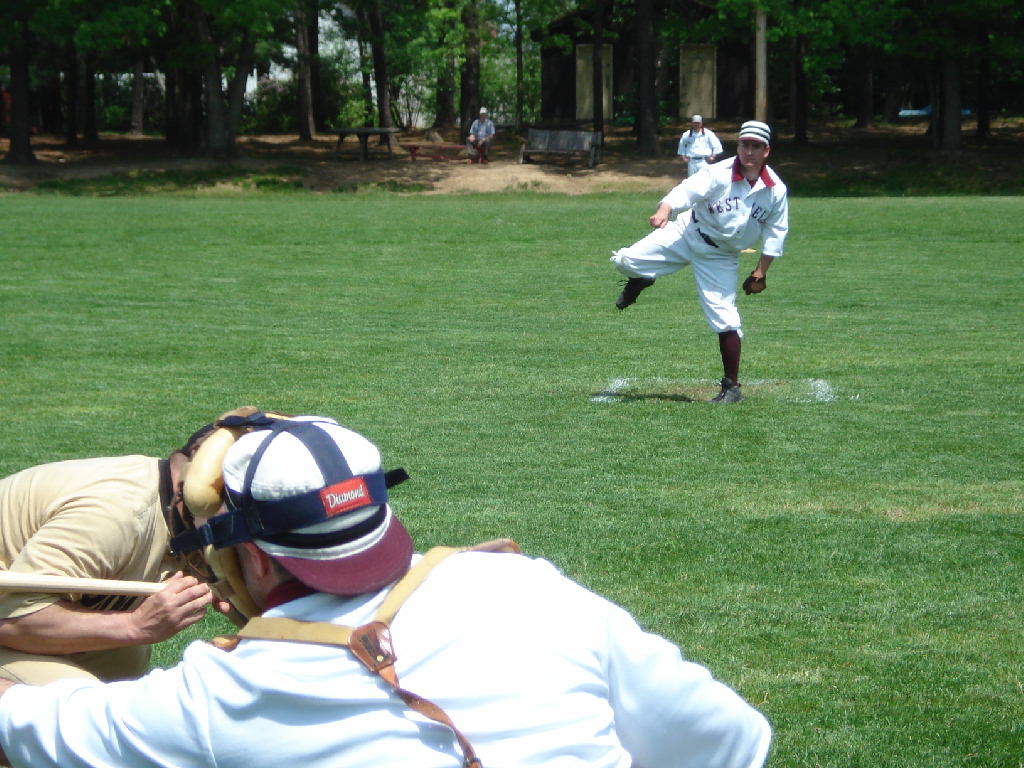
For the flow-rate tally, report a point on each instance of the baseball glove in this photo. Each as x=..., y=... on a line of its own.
x=754, y=284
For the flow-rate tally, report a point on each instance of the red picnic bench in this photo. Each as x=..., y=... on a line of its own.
x=432, y=150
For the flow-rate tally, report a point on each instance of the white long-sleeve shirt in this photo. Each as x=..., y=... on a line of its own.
x=702, y=144
x=730, y=211
x=533, y=668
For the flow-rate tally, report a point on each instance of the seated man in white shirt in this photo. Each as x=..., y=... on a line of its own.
x=525, y=667
x=481, y=134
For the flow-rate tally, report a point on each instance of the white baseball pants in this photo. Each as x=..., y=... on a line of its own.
x=675, y=246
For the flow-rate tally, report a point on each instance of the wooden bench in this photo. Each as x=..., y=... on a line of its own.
x=432, y=150
x=541, y=141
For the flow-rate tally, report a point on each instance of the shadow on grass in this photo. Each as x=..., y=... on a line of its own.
x=628, y=397
x=144, y=182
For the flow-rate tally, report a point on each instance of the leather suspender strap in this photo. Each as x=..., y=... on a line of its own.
x=371, y=643
x=418, y=573
x=324, y=633
x=316, y=632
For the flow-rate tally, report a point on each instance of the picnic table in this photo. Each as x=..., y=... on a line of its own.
x=433, y=150
x=363, y=133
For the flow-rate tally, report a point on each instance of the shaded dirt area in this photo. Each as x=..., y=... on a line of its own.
x=894, y=159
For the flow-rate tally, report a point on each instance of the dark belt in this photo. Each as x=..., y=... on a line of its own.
x=707, y=239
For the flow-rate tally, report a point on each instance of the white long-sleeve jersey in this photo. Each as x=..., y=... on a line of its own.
x=730, y=211
x=533, y=668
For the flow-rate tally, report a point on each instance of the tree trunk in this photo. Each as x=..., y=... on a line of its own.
x=172, y=119
x=315, y=78
x=381, y=75
x=668, y=79
x=183, y=87
x=935, y=92
x=984, y=128
x=597, y=67
x=866, y=95
x=219, y=142
x=20, y=149
x=892, y=67
x=471, y=69
x=183, y=109
x=760, y=65
x=800, y=109
x=138, y=95
x=520, y=79
x=87, y=98
x=236, y=88
x=647, y=108
x=365, y=63
x=302, y=71
x=71, y=98
x=444, y=116
x=950, y=103
x=367, y=88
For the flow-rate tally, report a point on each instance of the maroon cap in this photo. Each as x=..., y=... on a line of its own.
x=387, y=560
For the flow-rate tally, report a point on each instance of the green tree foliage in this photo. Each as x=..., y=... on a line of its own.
x=862, y=57
x=404, y=60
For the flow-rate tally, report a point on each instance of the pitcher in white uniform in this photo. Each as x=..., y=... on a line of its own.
x=735, y=204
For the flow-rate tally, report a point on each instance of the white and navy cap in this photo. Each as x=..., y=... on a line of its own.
x=697, y=119
x=756, y=130
x=311, y=494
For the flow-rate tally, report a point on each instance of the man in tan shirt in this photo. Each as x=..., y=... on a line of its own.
x=97, y=518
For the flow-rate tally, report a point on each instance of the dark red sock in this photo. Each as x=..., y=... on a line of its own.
x=729, y=346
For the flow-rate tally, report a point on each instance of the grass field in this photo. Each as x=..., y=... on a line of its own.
x=844, y=547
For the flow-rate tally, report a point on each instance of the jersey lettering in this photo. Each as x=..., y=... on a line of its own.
x=725, y=205
x=759, y=214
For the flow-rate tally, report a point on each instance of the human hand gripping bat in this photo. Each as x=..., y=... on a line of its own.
x=180, y=604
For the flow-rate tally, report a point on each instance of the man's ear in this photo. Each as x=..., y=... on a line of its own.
x=177, y=462
x=256, y=560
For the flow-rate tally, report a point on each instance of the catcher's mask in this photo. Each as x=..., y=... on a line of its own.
x=288, y=485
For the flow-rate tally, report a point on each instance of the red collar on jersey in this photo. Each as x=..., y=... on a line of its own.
x=737, y=173
x=285, y=592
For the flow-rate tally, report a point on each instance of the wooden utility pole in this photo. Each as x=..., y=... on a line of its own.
x=761, y=68
x=597, y=67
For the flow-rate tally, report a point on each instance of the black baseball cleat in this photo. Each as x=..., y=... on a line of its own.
x=632, y=289
x=730, y=393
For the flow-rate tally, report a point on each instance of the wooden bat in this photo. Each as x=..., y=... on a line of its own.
x=13, y=581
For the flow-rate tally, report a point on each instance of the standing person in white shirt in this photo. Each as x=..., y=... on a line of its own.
x=699, y=146
x=531, y=668
x=735, y=204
